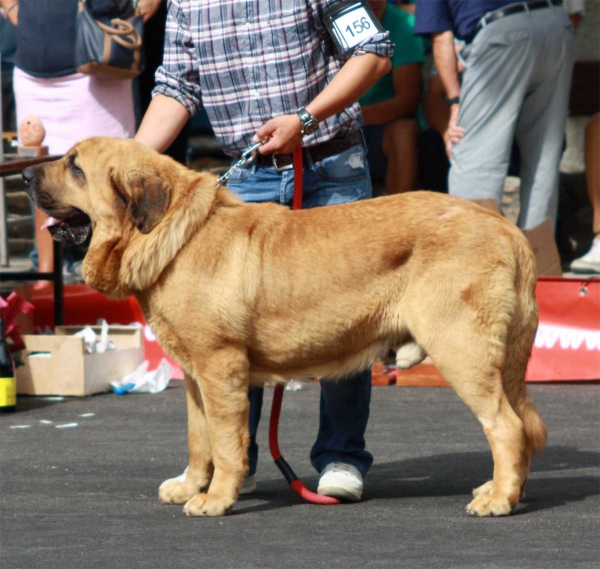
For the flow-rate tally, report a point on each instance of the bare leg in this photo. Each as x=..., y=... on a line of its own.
x=592, y=167
x=590, y=262
x=400, y=146
x=43, y=241
x=224, y=384
x=197, y=476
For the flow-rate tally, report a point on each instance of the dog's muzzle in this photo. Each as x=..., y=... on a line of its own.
x=66, y=224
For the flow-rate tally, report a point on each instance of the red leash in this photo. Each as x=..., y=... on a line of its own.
x=284, y=467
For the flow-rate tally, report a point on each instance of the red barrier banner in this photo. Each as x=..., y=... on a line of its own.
x=567, y=343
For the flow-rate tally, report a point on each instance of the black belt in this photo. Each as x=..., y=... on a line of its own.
x=514, y=9
x=316, y=153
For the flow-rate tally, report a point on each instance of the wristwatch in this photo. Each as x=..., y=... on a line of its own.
x=453, y=101
x=309, y=123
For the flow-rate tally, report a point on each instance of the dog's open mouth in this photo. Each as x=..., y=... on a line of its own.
x=74, y=229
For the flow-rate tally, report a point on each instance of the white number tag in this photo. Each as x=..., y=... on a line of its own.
x=355, y=27
x=350, y=23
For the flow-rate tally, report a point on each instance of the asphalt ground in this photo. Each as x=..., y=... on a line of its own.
x=86, y=497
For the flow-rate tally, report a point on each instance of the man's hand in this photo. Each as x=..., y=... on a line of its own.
x=454, y=132
x=12, y=7
x=284, y=133
x=147, y=9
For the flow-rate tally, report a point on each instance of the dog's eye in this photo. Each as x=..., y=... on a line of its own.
x=75, y=170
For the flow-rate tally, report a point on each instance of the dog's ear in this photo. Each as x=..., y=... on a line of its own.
x=145, y=195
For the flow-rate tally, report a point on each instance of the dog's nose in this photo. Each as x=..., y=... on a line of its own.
x=28, y=175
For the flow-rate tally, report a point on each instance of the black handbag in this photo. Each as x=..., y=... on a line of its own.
x=111, y=49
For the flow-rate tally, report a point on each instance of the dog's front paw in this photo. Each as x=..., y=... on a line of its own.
x=207, y=505
x=486, y=488
x=177, y=490
x=490, y=505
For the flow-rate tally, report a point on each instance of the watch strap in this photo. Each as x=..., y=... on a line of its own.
x=309, y=123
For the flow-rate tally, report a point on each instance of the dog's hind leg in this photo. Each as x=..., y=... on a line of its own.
x=479, y=385
x=485, y=396
x=224, y=380
x=513, y=380
x=197, y=475
x=521, y=335
x=519, y=341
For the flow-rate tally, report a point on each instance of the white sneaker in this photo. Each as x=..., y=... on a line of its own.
x=340, y=480
x=590, y=262
x=248, y=485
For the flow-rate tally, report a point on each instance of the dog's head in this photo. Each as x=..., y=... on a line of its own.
x=139, y=205
x=98, y=181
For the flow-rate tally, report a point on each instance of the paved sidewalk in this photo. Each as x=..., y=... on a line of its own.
x=86, y=497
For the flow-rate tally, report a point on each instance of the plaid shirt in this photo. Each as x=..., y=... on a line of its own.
x=249, y=61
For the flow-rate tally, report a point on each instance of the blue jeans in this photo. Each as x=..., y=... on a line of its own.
x=344, y=409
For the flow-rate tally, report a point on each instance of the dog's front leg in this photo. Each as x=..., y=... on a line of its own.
x=197, y=475
x=224, y=382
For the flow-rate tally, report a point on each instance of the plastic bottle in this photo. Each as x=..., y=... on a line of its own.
x=8, y=384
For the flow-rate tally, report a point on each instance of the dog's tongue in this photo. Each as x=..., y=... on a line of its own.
x=50, y=222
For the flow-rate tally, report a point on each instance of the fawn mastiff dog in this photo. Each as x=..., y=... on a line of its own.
x=245, y=295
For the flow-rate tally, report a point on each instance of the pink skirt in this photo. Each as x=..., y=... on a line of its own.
x=75, y=107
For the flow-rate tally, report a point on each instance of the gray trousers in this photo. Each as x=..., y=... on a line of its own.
x=516, y=83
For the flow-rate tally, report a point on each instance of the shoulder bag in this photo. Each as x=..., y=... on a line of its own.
x=109, y=49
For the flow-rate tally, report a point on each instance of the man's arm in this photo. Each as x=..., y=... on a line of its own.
x=352, y=81
x=436, y=111
x=177, y=92
x=444, y=56
x=407, y=85
x=162, y=122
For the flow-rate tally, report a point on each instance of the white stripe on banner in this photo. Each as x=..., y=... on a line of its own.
x=567, y=338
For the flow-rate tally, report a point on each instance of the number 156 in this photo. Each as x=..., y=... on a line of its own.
x=359, y=26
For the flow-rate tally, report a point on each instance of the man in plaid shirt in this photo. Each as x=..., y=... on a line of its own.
x=268, y=70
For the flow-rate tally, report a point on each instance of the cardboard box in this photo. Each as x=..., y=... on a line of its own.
x=60, y=365
x=541, y=239
x=488, y=203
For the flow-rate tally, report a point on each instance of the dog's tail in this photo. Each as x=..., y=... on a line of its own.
x=521, y=335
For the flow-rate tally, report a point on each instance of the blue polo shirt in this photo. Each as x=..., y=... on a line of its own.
x=458, y=16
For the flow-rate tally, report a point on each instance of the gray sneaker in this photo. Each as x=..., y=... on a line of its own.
x=248, y=485
x=342, y=481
